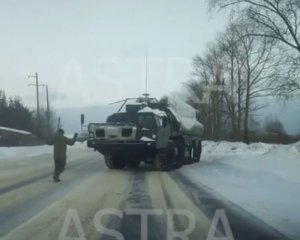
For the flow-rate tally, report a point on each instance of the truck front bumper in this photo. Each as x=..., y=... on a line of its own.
x=129, y=148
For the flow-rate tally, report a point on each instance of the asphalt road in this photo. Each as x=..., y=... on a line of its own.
x=93, y=202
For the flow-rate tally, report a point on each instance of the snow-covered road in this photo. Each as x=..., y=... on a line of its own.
x=257, y=187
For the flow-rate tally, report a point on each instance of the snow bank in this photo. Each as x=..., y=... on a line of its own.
x=295, y=148
x=262, y=178
x=234, y=148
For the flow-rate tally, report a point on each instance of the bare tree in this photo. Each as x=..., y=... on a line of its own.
x=243, y=66
x=230, y=45
x=207, y=79
x=259, y=69
x=277, y=19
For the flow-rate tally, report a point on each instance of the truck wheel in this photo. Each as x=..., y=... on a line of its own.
x=159, y=161
x=197, y=149
x=189, y=158
x=165, y=158
x=120, y=163
x=114, y=162
x=180, y=154
x=171, y=156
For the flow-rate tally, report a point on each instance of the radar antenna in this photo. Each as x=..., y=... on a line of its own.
x=146, y=76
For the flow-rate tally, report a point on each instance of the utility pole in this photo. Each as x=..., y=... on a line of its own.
x=48, y=108
x=59, y=123
x=37, y=99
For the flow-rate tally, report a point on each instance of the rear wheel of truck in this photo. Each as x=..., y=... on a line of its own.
x=114, y=162
x=188, y=158
x=159, y=160
x=179, y=153
x=197, y=149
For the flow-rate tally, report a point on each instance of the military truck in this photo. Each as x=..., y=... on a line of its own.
x=150, y=131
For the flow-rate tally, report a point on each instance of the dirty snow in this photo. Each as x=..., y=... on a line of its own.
x=261, y=178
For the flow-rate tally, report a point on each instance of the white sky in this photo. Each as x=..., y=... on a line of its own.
x=92, y=52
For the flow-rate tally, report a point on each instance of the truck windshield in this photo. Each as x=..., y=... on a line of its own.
x=146, y=121
x=121, y=118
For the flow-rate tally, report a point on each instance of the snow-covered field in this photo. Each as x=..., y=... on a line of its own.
x=262, y=178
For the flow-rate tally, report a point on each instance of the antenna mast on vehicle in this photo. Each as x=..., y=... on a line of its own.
x=146, y=77
x=146, y=95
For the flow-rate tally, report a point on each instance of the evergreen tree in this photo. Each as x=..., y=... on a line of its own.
x=14, y=114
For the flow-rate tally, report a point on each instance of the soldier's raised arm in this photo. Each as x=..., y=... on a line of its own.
x=73, y=140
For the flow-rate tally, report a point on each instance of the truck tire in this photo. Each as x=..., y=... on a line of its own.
x=171, y=156
x=159, y=161
x=197, y=149
x=165, y=158
x=180, y=154
x=189, y=158
x=114, y=162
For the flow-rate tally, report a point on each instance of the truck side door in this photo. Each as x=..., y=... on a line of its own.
x=163, y=131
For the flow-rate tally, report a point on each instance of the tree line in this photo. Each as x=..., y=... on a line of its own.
x=256, y=56
x=14, y=114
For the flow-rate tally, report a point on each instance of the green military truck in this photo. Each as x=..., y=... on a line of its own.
x=149, y=131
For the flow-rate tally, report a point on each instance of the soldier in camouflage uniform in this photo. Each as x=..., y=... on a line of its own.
x=60, y=143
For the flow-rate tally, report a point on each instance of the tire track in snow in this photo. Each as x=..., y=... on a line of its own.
x=137, y=198
x=176, y=199
x=28, y=181
x=155, y=190
x=136, y=189
x=19, y=213
x=98, y=192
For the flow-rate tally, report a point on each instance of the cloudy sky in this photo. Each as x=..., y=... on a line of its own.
x=93, y=52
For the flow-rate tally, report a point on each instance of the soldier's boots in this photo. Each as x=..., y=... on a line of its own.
x=56, y=179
